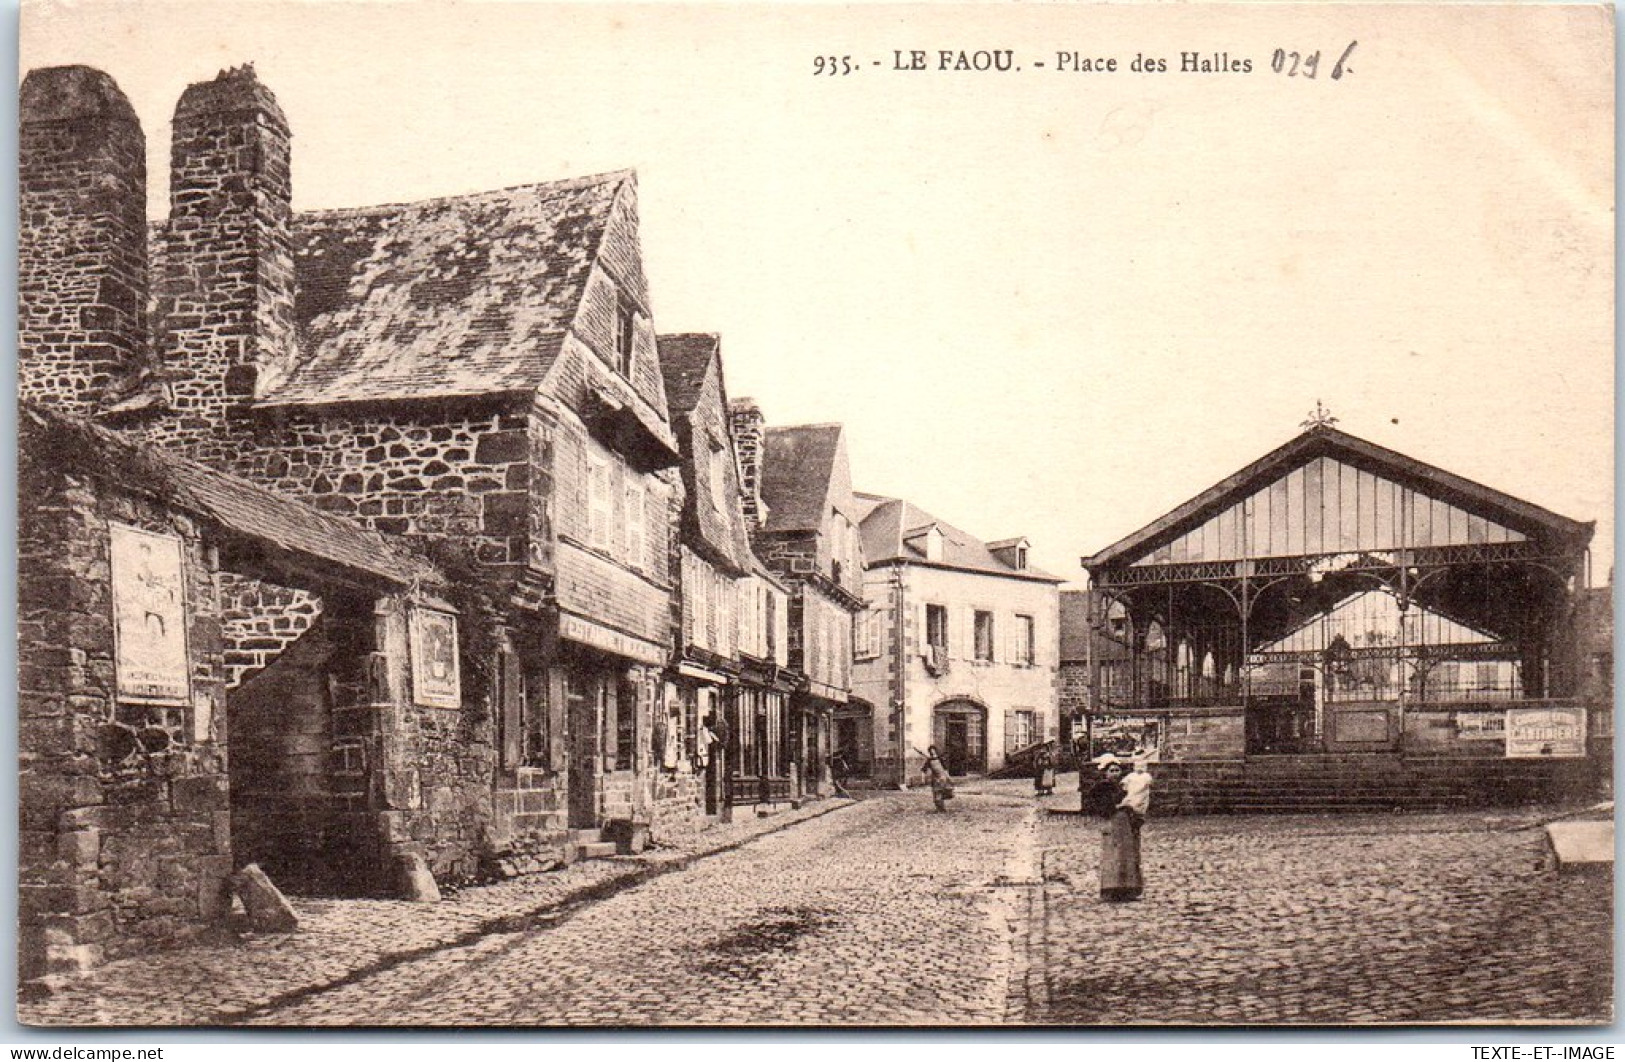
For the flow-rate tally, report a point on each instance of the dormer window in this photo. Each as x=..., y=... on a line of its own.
x=926, y=541
x=625, y=332
x=1011, y=552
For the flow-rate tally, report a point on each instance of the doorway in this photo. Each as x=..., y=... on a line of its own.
x=959, y=730
x=583, y=697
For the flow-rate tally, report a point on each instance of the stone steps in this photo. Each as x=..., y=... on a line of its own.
x=1365, y=783
x=590, y=844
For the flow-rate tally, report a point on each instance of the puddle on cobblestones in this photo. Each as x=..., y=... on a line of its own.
x=753, y=943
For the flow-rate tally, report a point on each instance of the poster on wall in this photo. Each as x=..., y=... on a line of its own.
x=149, y=616
x=1546, y=732
x=435, y=682
x=1129, y=737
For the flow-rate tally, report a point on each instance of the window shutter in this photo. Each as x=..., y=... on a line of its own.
x=967, y=637
x=922, y=632
x=1009, y=731
x=510, y=691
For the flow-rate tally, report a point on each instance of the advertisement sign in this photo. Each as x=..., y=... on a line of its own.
x=149, y=616
x=1481, y=725
x=1557, y=731
x=1130, y=737
x=435, y=681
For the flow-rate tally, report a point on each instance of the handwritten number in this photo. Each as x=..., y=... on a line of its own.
x=1342, y=68
x=1297, y=64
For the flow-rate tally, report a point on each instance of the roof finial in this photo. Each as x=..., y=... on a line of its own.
x=1319, y=417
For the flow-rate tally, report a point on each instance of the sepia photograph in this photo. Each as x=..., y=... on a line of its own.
x=808, y=515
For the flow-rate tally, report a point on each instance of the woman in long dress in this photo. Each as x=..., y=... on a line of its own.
x=1119, y=834
x=1044, y=770
x=936, y=773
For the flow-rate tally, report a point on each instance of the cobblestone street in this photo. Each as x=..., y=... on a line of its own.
x=884, y=912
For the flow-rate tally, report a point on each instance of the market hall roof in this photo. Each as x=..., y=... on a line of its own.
x=890, y=523
x=447, y=298
x=1486, y=514
x=275, y=524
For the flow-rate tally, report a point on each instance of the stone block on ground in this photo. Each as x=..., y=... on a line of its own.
x=1581, y=845
x=417, y=884
x=268, y=910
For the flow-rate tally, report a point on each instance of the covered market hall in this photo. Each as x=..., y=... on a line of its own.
x=1336, y=614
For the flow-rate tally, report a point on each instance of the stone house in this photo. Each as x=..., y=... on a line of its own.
x=798, y=496
x=735, y=617
x=474, y=378
x=133, y=816
x=477, y=374
x=958, y=647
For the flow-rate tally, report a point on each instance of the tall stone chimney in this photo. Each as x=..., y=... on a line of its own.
x=748, y=428
x=81, y=240
x=225, y=261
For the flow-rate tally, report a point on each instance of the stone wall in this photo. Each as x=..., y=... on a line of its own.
x=458, y=473
x=1205, y=734
x=748, y=428
x=1074, y=688
x=260, y=620
x=224, y=278
x=82, y=243
x=125, y=829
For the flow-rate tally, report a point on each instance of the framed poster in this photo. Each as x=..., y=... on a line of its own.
x=435, y=680
x=149, y=616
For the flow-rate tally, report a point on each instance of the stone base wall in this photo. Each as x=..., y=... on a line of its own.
x=1205, y=734
x=530, y=819
x=450, y=760
x=125, y=824
x=678, y=808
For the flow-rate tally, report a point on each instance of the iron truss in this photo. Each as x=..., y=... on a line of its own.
x=1458, y=651
x=1372, y=561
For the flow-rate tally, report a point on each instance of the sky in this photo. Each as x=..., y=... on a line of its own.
x=1044, y=302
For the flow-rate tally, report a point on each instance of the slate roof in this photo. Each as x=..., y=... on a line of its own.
x=1323, y=440
x=890, y=519
x=463, y=296
x=242, y=508
x=685, y=359
x=798, y=464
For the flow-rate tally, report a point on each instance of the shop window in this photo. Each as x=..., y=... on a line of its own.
x=626, y=724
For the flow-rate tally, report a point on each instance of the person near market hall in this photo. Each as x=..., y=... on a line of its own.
x=1119, y=834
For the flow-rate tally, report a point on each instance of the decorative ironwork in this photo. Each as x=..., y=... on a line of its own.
x=1381, y=560
x=1319, y=417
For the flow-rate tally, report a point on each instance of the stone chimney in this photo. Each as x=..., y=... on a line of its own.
x=81, y=240
x=748, y=428
x=225, y=261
